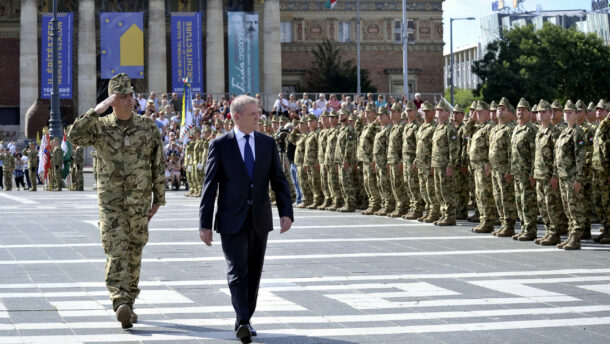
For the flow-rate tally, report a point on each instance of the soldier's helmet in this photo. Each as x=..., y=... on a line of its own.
x=121, y=84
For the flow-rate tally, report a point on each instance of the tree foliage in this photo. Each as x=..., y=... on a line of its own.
x=461, y=96
x=550, y=63
x=329, y=73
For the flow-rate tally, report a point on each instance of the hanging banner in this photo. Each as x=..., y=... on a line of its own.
x=187, y=57
x=64, y=55
x=122, y=44
x=243, y=53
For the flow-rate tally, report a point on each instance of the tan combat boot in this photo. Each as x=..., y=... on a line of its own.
x=550, y=240
x=483, y=228
x=381, y=212
x=447, y=221
x=573, y=243
x=562, y=244
x=412, y=216
x=123, y=315
x=506, y=232
x=431, y=218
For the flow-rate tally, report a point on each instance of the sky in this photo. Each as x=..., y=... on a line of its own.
x=466, y=33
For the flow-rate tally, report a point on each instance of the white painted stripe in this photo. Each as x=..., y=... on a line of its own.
x=600, y=288
x=17, y=199
x=287, y=241
x=291, y=257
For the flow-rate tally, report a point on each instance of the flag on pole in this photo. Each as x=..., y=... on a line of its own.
x=44, y=156
x=187, y=111
x=331, y=3
x=66, y=146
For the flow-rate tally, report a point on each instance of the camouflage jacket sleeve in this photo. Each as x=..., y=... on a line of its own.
x=580, y=155
x=86, y=129
x=395, y=145
x=157, y=168
x=349, y=150
x=454, y=146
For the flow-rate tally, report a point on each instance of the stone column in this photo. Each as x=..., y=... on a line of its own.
x=87, y=77
x=28, y=62
x=272, y=49
x=215, y=51
x=157, y=63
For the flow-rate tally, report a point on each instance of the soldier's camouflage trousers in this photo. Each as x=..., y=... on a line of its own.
x=411, y=181
x=347, y=185
x=189, y=179
x=370, y=186
x=358, y=178
x=550, y=207
x=445, y=191
x=286, y=170
x=504, y=196
x=484, y=196
x=398, y=189
x=472, y=192
x=385, y=190
x=572, y=205
x=199, y=175
x=462, y=196
x=334, y=186
x=603, y=190
x=328, y=197
x=596, y=192
x=124, y=232
x=428, y=192
x=8, y=179
x=33, y=179
x=77, y=178
x=527, y=208
x=304, y=182
x=313, y=176
x=54, y=179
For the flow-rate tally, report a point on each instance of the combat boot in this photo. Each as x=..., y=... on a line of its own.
x=396, y=213
x=347, y=209
x=134, y=317
x=301, y=205
x=527, y=236
x=312, y=206
x=413, y=216
x=447, y=221
x=333, y=207
x=123, y=315
x=572, y=243
x=562, y=244
x=586, y=234
x=506, y=232
x=382, y=212
x=605, y=240
x=550, y=240
x=368, y=211
x=437, y=221
x=431, y=218
x=483, y=228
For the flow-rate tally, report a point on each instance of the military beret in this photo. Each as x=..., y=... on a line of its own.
x=370, y=107
x=523, y=103
x=426, y=106
x=442, y=105
x=569, y=106
x=458, y=108
x=581, y=106
x=591, y=106
x=535, y=108
x=120, y=84
x=602, y=104
x=396, y=107
x=410, y=106
x=493, y=106
x=382, y=111
x=543, y=105
x=556, y=105
x=482, y=105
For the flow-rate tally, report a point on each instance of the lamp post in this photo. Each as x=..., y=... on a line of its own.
x=55, y=127
x=451, y=47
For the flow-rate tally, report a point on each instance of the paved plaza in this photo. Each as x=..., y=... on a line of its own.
x=334, y=278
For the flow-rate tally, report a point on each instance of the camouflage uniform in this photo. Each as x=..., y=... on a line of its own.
x=332, y=171
x=589, y=205
x=394, y=160
x=57, y=163
x=7, y=172
x=197, y=165
x=411, y=180
x=130, y=178
x=299, y=160
x=345, y=159
x=322, y=139
x=189, y=150
x=445, y=149
x=311, y=161
x=466, y=132
x=283, y=136
x=380, y=158
x=365, y=154
x=423, y=156
x=76, y=171
x=33, y=159
x=601, y=167
x=461, y=179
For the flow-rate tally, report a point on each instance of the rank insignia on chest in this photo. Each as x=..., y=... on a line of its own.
x=127, y=141
x=581, y=142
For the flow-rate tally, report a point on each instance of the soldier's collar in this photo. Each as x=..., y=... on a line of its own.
x=114, y=119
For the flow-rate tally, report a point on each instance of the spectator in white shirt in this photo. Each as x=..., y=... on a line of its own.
x=306, y=101
x=321, y=102
x=141, y=103
x=280, y=105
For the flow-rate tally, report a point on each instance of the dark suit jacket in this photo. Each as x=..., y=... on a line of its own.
x=226, y=172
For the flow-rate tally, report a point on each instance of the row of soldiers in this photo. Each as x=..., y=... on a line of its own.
x=55, y=172
x=196, y=153
x=392, y=163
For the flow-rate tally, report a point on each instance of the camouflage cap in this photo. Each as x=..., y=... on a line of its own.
x=121, y=84
x=473, y=106
x=383, y=111
x=370, y=107
x=275, y=119
x=442, y=105
x=427, y=106
x=569, y=106
x=332, y=114
x=207, y=129
x=218, y=121
x=410, y=106
x=396, y=107
x=556, y=105
x=481, y=105
x=295, y=122
x=602, y=104
x=352, y=117
x=535, y=108
x=581, y=106
x=304, y=119
x=343, y=112
x=228, y=121
x=505, y=102
x=268, y=122
x=261, y=121
x=523, y=103
x=283, y=120
x=195, y=130
x=543, y=105
x=493, y=106
x=324, y=114
x=458, y=108
x=311, y=117
x=591, y=106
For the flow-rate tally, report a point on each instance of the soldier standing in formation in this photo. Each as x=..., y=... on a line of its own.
x=322, y=140
x=380, y=159
x=364, y=154
x=409, y=151
x=311, y=165
x=461, y=169
x=32, y=153
x=8, y=161
x=299, y=160
x=422, y=164
x=334, y=185
x=57, y=160
x=345, y=161
x=395, y=165
x=76, y=169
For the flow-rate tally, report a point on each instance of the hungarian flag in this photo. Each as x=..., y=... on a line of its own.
x=44, y=157
x=331, y=3
x=66, y=146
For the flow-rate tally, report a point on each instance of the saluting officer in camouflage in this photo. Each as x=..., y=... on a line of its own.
x=461, y=169
x=409, y=150
x=299, y=160
x=365, y=156
x=130, y=187
x=32, y=153
x=600, y=164
x=501, y=177
x=380, y=158
x=570, y=161
x=589, y=132
x=523, y=153
x=76, y=170
x=322, y=140
x=9, y=166
x=394, y=163
x=345, y=161
x=479, y=163
x=444, y=159
x=423, y=156
x=332, y=173
x=547, y=183
x=57, y=164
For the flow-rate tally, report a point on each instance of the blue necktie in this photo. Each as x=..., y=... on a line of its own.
x=248, y=157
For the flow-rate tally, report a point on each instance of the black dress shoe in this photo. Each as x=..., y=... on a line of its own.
x=252, y=330
x=244, y=334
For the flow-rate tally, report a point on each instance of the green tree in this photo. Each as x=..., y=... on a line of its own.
x=550, y=63
x=329, y=73
x=461, y=96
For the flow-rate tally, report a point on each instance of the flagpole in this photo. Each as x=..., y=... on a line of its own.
x=405, y=39
x=358, y=43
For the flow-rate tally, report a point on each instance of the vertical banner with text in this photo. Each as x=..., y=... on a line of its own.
x=122, y=44
x=64, y=55
x=243, y=53
x=187, y=57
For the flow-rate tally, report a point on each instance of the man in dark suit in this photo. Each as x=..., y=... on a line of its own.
x=240, y=165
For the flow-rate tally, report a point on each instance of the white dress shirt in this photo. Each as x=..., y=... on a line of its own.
x=241, y=142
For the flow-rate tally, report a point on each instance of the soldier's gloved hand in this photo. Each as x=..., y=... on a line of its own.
x=199, y=166
x=103, y=106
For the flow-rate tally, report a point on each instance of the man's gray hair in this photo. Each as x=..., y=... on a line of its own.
x=238, y=104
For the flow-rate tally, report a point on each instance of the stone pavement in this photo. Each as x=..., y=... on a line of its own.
x=334, y=278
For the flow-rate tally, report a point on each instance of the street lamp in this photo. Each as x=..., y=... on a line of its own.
x=451, y=47
x=55, y=127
